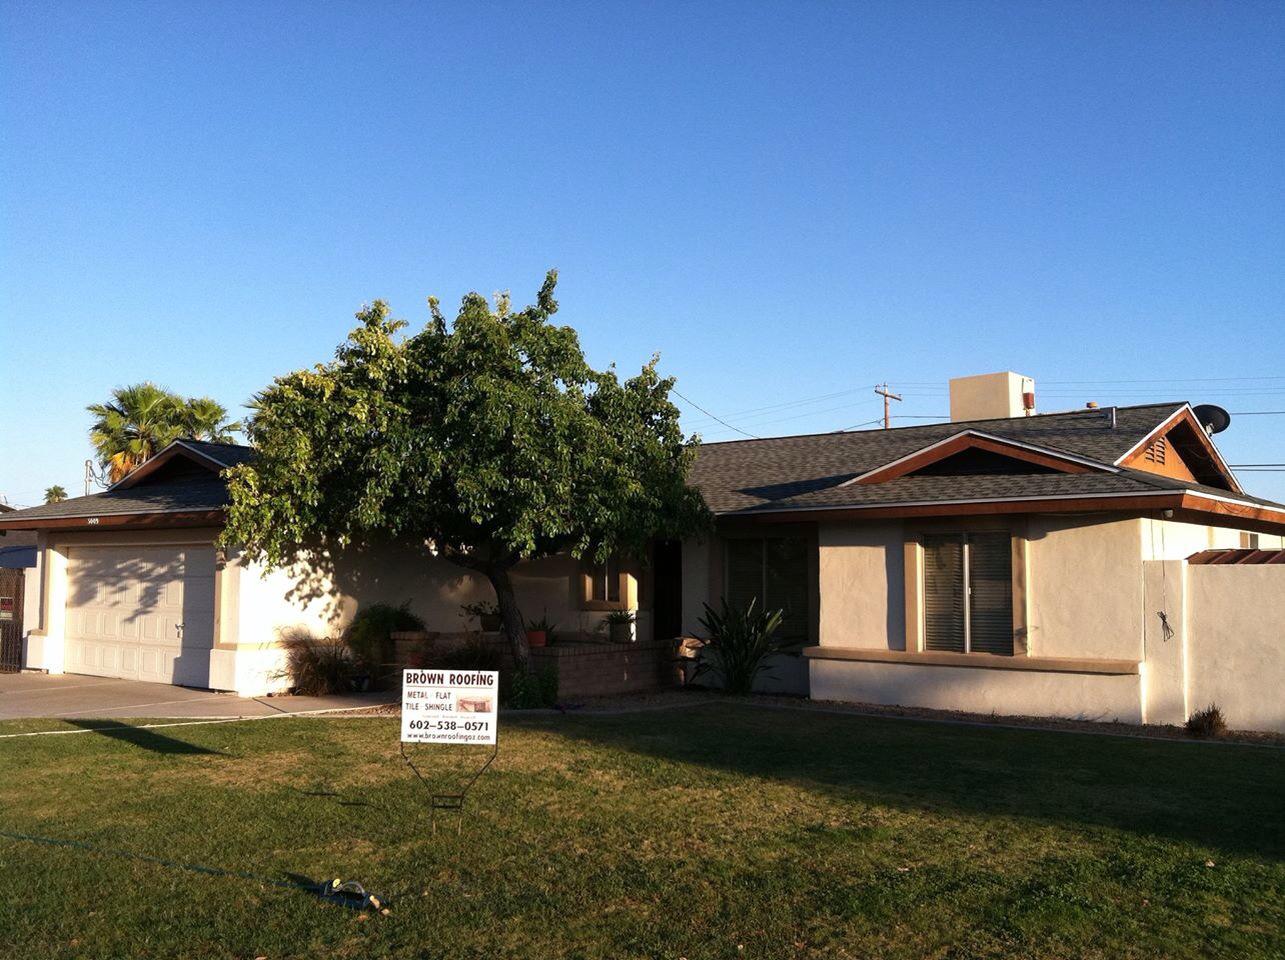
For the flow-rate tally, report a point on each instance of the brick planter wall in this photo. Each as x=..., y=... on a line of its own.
x=602, y=669
x=585, y=667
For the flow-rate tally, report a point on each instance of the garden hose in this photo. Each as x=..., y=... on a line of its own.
x=350, y=894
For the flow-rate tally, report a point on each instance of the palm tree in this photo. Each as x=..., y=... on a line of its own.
x=204, y=418
x=143, y=419
x=138, y=422
x=55, y=494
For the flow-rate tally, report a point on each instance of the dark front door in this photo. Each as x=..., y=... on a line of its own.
x=667, y=595
x=11, y=582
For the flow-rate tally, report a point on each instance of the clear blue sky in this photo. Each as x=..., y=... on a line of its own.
x=787, y=200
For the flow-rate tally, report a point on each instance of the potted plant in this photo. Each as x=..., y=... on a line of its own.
x=539, y=633
x=620, y=626
x=487, y=613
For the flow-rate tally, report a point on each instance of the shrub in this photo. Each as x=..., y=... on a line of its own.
x=369, y=636
x=472, y=655
x=529, y=691
x=1207, y=723
x=486, y=612
x=316, y=668
x=740, y=640
x=517, y=690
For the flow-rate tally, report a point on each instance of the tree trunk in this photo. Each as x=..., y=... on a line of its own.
x=514, y=625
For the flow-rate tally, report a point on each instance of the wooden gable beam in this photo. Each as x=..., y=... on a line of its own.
x=970, y=440
x=1136, y=457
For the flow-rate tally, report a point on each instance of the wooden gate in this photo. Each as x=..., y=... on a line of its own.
x=11, y=583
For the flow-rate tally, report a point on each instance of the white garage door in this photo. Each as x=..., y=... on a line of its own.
x=141, y=613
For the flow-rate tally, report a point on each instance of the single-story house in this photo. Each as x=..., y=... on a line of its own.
x=1006, y=562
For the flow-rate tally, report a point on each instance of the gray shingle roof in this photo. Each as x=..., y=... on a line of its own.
x=228, y=454
x=793, y=473
x=149, y=496
x=803, y=472
x=176, y=497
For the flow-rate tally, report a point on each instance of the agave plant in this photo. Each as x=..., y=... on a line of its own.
x=740, y=641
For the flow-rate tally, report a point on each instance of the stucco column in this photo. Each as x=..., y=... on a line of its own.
x=53, y=618
x=1164, y=668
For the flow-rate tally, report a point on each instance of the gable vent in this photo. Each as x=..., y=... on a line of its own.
x=1157, y=452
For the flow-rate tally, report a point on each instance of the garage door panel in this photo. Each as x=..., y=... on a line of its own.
x=143, y=613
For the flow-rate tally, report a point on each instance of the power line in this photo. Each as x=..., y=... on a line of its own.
x=708, y=414
x=796, y=403
x=1171, y=380
x=864, y=423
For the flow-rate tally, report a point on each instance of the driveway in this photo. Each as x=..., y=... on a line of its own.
x=24, y=695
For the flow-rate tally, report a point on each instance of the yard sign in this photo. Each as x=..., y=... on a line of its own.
x=449, y=706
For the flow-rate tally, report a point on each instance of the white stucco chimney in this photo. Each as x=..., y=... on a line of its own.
x=991, y=395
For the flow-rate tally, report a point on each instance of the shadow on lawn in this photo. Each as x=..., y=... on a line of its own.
x=1220, y=796
x=291, y=881
x=140, y=737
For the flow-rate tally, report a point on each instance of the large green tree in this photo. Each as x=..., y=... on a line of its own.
x=142, y=419
x=486, y=441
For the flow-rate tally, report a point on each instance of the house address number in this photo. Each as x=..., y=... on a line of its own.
x=92, y=521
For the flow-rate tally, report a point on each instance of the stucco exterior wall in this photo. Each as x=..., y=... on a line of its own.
x=1166, y=659
x=980, y=690
x=1085, y=588
x=1176, y=540
x=862, y=585
x=1236, y=625
x=255, y=607
x=437, y=588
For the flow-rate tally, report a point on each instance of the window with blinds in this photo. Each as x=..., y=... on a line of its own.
x=604, y=582
x=968, y=593
x=773, y=571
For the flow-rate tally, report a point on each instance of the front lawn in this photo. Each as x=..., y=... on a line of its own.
x=713, y=831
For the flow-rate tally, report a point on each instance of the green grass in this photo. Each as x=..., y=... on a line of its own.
x=715, y=831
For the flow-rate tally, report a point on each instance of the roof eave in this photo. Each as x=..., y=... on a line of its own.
x=1194, y=507
x=118, y=521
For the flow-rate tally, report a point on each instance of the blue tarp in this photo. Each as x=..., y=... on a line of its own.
x=17, y=557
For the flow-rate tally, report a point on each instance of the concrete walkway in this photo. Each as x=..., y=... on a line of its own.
x=27, y=695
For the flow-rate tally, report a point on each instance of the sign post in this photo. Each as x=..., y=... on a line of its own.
x=450, y=707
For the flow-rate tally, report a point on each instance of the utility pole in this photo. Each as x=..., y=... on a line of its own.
x=882, y=390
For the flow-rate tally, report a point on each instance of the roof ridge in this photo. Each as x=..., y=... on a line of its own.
x=962, y=424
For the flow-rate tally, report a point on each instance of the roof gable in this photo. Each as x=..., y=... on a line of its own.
x=1180, y=448
x=989, y=454
x=185, y=460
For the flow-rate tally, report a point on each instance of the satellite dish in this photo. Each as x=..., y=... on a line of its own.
x=1212, y=417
